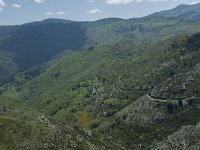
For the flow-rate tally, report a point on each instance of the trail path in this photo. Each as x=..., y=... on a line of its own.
x=165, y=100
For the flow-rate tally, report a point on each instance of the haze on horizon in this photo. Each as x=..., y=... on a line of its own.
x=23, y=11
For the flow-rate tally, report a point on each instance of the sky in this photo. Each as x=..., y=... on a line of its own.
x=23, y=11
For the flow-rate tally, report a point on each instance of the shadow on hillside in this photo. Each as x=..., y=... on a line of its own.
x=36, y=44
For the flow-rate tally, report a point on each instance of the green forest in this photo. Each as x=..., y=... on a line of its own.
x=111, y=84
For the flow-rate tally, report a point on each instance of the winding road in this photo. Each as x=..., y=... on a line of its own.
x=185, y=101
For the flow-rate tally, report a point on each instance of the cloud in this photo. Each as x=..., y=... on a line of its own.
x=39, y=1
x=16, y=6
x=55, y=13
x=118, y=1
x=2, y=5
x=195, y=2
x=60, y=13
x=94, y=11
x=158, y=0
x=49, y=13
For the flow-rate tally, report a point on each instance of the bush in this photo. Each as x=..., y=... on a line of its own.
x=171, y=73
x=180, y=103
x=95, y=123
x=190, y=102
x=170, y=106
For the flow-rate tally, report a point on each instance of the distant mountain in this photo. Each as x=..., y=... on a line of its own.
x=39, y=42
x=186, y=12
x=51, y=20
x=35, y=43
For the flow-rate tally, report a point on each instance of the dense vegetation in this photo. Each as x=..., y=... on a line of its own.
x=39, y=42
x=90, y=87
x=189, y=13
x=133, y=89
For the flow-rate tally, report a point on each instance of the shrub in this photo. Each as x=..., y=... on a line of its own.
x=84, y=119
x=180, y=103
x=95, y=123
x=170, y=106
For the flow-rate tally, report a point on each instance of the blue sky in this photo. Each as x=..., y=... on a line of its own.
x=22, y=11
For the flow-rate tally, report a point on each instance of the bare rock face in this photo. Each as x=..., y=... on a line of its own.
x=187, y=138
x=3, y=109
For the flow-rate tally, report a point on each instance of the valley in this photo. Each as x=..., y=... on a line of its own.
x=115, y=84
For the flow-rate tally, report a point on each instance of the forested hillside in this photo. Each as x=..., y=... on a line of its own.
x=95, y=86
x=110, y=84
x=185, y=12
x=39, y=42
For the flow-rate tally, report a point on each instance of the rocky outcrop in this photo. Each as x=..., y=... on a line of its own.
x=4, y=109
x=180, y=86
x=187, y=138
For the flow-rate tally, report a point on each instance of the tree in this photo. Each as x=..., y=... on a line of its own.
x=171, y=73
x=180, y=103
x=190, y=102
x=84, y=118
x=170, y=106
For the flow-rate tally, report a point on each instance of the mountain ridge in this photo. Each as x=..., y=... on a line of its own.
x=110, y=84
x=39, y=42
x=186, y=12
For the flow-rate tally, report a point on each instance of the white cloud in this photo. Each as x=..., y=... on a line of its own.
x=60, y=13
x=16, y=6
x=118, y=1
x=49, y=13
x=39, y=1
x=158, y=0
x=94, y=11
x=2, y=5
x=55, y=13
x=115, y=2
x=195, y=2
